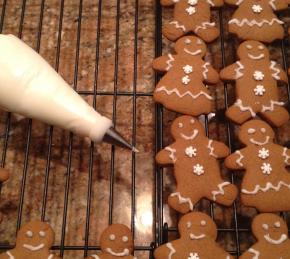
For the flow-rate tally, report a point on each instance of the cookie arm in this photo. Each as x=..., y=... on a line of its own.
x=4, y=256
x=216, y=3
x=235, y=160
x=163, y=63
x=168, y=2
x=166, y=156
x=278, y=4
x=161, y=252
x=231, y=72
x=210, y=75
x=218, y=149
x=286, y=156
x=250, y=253
x=278, y=73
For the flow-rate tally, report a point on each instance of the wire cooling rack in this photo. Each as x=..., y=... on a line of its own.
x=161, y=228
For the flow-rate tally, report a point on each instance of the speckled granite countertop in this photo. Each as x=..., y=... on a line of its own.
x=124, y=162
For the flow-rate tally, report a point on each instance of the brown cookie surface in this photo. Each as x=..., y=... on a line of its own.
x=116, y=242
x=198, y=233
x=182, y=88
x=4, y=175
x=256, y=79
x=272, y=235
x=33, y=241
x=196, y=168
x=266, y=182
x=256, y=20
x=191, y=16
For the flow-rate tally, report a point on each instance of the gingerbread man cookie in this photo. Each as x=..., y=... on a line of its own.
x=272, y=234
x=196, y=169
x=182, y=88
x=255, y=19
x=4, y=175
x=256, y=79
x=191, y=16
x=198, y=233
x=116, y=242
x=33, y=241
x=266, y=184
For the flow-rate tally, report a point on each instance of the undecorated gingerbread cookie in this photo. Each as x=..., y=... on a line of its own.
x=256, y=20
x=33, y=241
x=256, y=78
x=4, y=175
x=191, y=16
x=266, y=183
x=196, y=168
x=272, y=234
x=116, y=242
x=182, y=88
x=198, y=233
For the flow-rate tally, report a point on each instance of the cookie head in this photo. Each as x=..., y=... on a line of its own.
x=197, y=226
x=35, y=236
x=270, y=228
x=253, y=50
x=256, y=132
x=191, y=45
x=117, y=240
x=186, y=127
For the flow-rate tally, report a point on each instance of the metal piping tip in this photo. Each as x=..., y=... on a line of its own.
x=115, y=138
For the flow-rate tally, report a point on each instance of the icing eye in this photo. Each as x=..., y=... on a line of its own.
x=251, y=130
x=42, y=233
x=263, y=130
x=192, y=121
x=260, y=47
x=125, y=239
x=29, y=233
x=188, y=224
x=277, y=224
x=203, y=223
x=265, y=226
x=180, y=125
x=187, y=41
x=249, y=47
x=112, y=237
x=199, y=42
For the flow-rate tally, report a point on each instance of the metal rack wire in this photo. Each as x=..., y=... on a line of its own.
x=160, y=226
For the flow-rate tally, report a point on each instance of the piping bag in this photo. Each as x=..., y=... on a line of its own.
x=29, y=86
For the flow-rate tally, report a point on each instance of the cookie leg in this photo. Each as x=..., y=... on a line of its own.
x=277, y=117
x=174, y=30
x=207, y=31
x=181, y=202
x=237, y=115
x=224, y=193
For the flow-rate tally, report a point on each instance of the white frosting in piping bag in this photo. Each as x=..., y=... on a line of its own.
x=30, y=87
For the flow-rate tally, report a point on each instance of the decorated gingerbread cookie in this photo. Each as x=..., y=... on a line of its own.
x=4, y=175
x=256, y=20
x=116, y=242
x=266, y=184
x=182, y=88
x=33, y=241
x=256, y=79
x=272, y=234
x=196, y=169
x=198, y=233
x=191, y=16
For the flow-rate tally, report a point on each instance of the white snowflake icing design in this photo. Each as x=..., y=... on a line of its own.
x=266, y=168
x=190, y=151
x=185, y=80
x=259, y=90
x=198, y=169
x=264, y=153
x=193, y=256
x=191, y=10
x=257, y=8
x=258, y=75
x=187, y=69
x=192, y=2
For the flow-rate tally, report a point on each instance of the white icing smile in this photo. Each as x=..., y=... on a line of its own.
x=33, y=248
x=261, y=56
x=193, y=53
x=124, y=253
x=194, y=134
x=194, y=237
x=260, y=143
x=275, y=241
